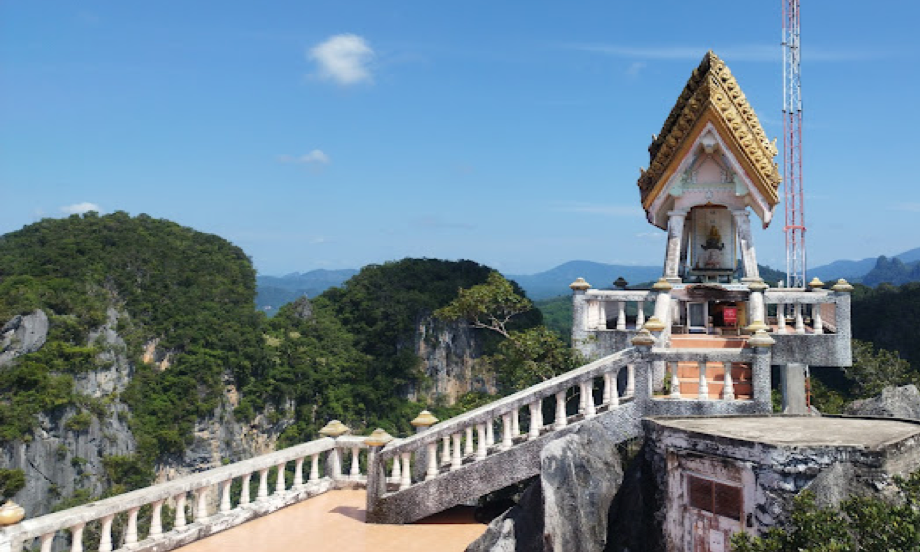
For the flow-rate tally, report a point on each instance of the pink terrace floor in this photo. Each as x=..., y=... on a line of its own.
x=334, y=522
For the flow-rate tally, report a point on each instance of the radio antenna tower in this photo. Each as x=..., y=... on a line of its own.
x=792, y=147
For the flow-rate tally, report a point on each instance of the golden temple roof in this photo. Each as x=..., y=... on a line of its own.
x=712, y=95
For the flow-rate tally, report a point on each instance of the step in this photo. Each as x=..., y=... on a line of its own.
x=707, y=342
x=714, y=371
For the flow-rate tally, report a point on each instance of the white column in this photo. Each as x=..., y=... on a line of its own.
x=781, y=318
x=506, y=431
x=515, y=422
x=675, y=235
x=355, y=472
x=76, y=531
x=614, y=392
x=225, y=495
x=481, y=449
x=560, y=410
x=582, y=398
x=640, y=314
x=704, y=385
x=746, y=244
x=799, y=321
x=468, y=441
x=131, y=530
x=201, y=504
x=621, y=315
x=590, y=408
x=593, y=314
x=263, y=484
x=180, y=512
x=314, y=467
x=244, y=492
x=605, y=398
x=601, y=315
x=279, y=479
x=536, y=419
x=728, y=392
x=406, y=480
x=445, y=449
x=432, y=461
x=105, y=540
x=816, y=319
x=675, y=381
x=298, y=472
x=630, y=381
x=490, y=433
x=396, y=472
x=156, y=523
x=456, y=460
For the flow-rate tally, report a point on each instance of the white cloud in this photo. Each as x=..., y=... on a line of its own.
x=80, y=208
x=316, y=156
x=909, y=207
x=343, y=59
x=635, y=68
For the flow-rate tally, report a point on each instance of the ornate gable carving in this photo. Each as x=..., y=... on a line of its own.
x=712, y=94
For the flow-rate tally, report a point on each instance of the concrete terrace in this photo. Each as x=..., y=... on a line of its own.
x=334, y=522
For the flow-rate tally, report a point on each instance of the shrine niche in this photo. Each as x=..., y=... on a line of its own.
x=712, y=244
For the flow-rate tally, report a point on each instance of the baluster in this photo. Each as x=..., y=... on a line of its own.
x=76, y=531
x=445, y=449
x=456, y=460
x=601, y=315
x=180, y=511
x=560, y=410
x=675, y=380
x=481, y=450
x=515, y=422
x=201, y=504
x=468, y=441
x=630, y=381
x=728, y=391
x=105, y=539
x=605, y=398
x=298, y=472
x=335, y=460
x=279, y=481
x=704, y=385
x=593, y=314
x=314, y=467
x=396, y=474
x=406, y=480
x=799, y=321
x=640, y=314
x=621, y=315
x=225, y=495
x=490, y=433
x=590, y=408
x=432, y=461
x=582, y=398
x=47, y=540
x=781, y=318
x=536, y=419
x=614, y=392
x=355, y=473
x=506, y=431
x=263, y=485
x=816, y=319
x=244, y=492
x=131, y=530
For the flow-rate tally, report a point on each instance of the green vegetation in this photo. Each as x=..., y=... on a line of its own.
x=887, y=316
x=866, y=524
x=11, y=481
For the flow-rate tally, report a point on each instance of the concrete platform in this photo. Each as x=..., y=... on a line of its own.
x=802, y=431
x=334, y=522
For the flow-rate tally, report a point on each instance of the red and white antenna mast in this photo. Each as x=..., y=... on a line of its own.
x=792, y=147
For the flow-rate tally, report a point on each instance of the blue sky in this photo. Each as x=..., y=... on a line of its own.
x=336, y=134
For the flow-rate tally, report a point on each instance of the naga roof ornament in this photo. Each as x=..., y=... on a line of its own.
x=712, y=95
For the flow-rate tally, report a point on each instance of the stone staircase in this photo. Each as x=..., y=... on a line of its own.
x=688, y=372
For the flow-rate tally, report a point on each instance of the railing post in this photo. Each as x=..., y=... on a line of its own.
x=816, y=319
x=579, y=313
x=314, y=467
x=728, y=391
x=180, y=511
x=675, y=380
x=601, y=314
x=396, y=473
x=445, y=449
x=76, y=531
x=456, y=461
x=799, y=321
x=481, y=450
x=298, y=472
x=432, y=471
x=560, y=411
x=225, y=495
x=536, y=419
x=201, y=504
x=590, y=407
x=428, y=455
x=105, y=540
x=263, y=484
x=376, y=469
x=46, y=541
x=760, y=375
x=704, y=385
x=468, y=441
x=406, y=480
x=614, y=399
x=156, y=522
x=244, y=492
x=506, y=431
x=279, y=481
x=355, y=472
x=630, y=390
x=781, y=318
x=490, y=432
x=621, y=315
x=131, y=529
x=640, y=314
x=515, y=422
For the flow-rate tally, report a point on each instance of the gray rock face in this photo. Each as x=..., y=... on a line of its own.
x=566, y=511
x=23, y=334
x=449, y=352
x=894, y=402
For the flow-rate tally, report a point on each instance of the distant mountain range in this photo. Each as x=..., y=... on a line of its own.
x=274, y=291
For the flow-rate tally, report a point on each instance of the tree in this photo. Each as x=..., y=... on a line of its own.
x=874, y=369
x=865, y=524
x=489, y=306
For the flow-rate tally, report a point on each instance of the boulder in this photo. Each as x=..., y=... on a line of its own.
x=566, y=509
x=894, y=402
